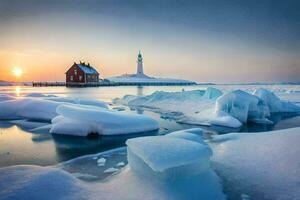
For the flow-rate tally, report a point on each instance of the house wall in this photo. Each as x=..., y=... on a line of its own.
x=75, y=75
x=90, y=78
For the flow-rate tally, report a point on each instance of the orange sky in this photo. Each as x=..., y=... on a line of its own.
x=51, y=66
x=45, y=38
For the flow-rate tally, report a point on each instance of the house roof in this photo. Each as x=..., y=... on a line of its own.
x=87, y=69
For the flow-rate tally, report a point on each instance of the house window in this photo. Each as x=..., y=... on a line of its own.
x=80, y=78
x=75, y=71
x=71, y=78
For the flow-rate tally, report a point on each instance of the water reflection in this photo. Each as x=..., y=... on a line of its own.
x=140, y=90
x=280, y=121
x=68, y=147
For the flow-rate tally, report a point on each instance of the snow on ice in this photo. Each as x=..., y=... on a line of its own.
x=27, y=108
x=39, y=108
x=193, y=134
x=33, y=182
x=85, y=120
x=262, y=165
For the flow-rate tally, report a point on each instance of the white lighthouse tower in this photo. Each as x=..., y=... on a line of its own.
x=140, y=71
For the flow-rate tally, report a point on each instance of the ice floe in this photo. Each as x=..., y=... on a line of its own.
x=82, y=121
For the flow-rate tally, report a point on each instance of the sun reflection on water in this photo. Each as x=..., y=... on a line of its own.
x=17, y=91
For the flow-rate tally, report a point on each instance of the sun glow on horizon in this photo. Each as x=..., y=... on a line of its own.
x=17, y=71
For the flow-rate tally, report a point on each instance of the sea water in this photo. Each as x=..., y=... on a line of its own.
x=20, y=146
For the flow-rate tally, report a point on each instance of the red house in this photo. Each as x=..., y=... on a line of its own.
x=81, y=75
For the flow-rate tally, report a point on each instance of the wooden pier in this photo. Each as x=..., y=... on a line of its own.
x=48, y=84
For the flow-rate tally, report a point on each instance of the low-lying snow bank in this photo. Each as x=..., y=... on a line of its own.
x=34, y=182
x=172, y=167
x=81, y=121
x=262, y=165
x=211, y=107
x=42, y=108
x=28, y=108
x=79, y=117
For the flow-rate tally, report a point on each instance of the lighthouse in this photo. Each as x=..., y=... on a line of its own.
x=139, y=78
x=140, y=71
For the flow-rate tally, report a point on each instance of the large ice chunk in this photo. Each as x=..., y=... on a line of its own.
x=212, y=93
x=81, y=121
x=173, y=166
x=171, y=97
x=269, y=99
x=167, y=157
x=238, y=104
x=246, y=107
x=273, y=103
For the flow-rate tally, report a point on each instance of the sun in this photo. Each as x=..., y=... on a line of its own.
x=17, y=71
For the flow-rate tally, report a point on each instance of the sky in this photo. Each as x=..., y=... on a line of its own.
x=215, y=41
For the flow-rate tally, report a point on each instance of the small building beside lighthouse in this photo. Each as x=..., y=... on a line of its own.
x=82, y=74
